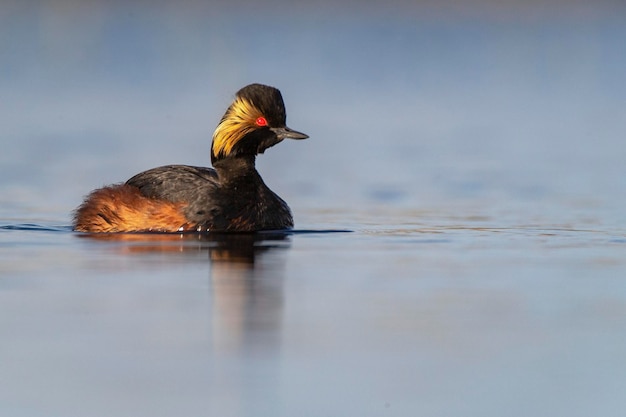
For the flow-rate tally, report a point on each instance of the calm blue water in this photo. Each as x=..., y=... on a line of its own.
x=460, y=243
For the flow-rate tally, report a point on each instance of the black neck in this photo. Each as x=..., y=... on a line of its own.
x=236, y=169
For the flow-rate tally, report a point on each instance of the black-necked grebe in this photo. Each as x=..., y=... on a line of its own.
x=232, y=197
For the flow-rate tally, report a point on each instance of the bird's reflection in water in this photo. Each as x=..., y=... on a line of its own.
x=246, y=278
x=246, y=307
x=247, y=272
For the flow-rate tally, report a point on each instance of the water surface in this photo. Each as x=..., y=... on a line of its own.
x=460, y=243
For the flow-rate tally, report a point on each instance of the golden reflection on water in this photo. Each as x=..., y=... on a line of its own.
x=236, y=247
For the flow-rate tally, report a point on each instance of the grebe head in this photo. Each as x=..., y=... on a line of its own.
x=255, y=121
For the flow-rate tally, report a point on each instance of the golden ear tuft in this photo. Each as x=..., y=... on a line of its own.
x=239, y=120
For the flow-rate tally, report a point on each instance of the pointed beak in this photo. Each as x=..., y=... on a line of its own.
x=285, y=132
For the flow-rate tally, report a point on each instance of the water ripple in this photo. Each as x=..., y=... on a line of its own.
x=35, y=227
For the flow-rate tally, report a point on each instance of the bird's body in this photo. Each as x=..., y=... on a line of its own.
x=230, y=197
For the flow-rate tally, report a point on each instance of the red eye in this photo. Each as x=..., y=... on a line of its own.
x=261, y=121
